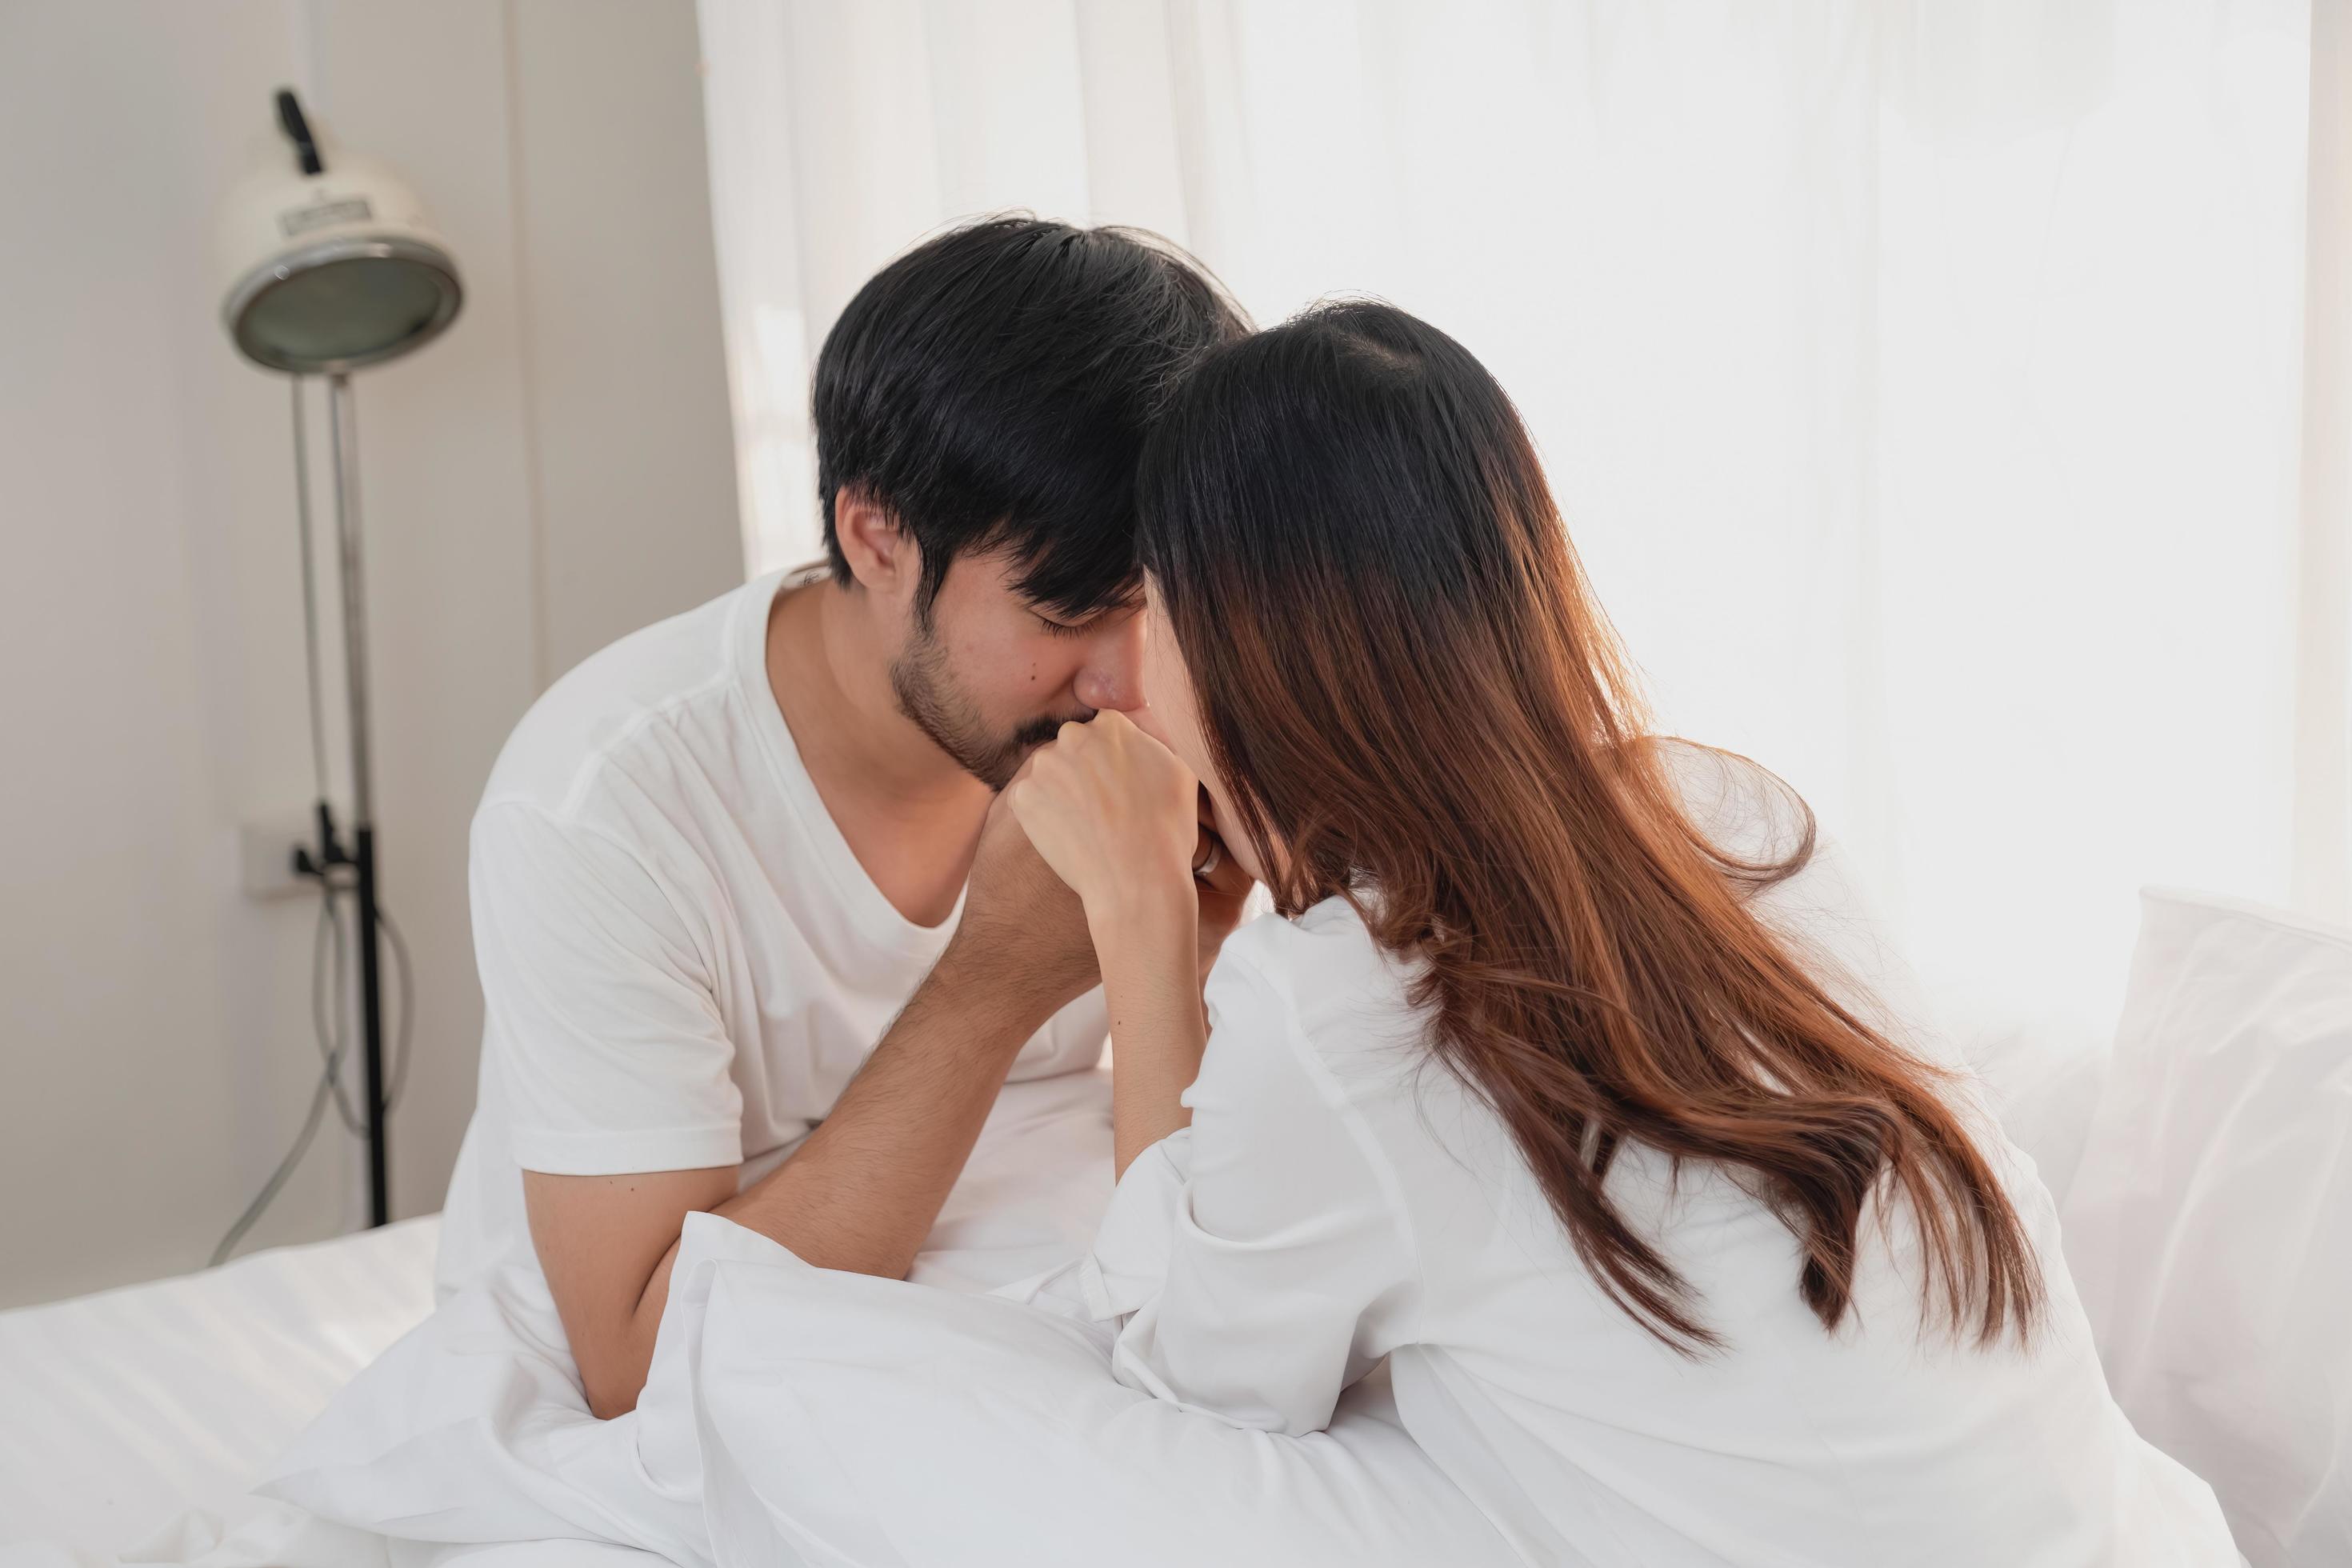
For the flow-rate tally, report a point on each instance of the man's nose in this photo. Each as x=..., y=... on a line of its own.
x=1112, y=675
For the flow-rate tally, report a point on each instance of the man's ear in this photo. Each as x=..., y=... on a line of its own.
x=882, y=555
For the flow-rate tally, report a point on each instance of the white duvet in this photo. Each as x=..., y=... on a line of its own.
x=802, y=1416
x=836, y=1419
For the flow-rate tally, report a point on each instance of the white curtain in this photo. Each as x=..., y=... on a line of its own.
x=1948, y=398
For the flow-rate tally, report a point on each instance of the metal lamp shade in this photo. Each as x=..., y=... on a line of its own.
x=342, y=303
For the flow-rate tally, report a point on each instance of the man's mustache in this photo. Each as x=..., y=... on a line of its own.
x=1036, y=733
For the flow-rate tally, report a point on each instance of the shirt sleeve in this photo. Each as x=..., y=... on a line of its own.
x=1243, y=1255
x=602, y=1021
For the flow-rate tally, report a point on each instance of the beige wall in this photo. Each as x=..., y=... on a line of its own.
x=553, y=472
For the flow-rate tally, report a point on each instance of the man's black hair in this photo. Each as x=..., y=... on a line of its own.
x=991, y=388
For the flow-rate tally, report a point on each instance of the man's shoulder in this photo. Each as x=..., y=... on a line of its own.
x=617, y=700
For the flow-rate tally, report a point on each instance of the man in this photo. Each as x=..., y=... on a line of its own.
x=720, y=859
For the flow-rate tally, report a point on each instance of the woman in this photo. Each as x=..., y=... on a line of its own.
x=1570, y=1078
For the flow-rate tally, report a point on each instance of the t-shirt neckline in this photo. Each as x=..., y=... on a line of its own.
x=877, y=918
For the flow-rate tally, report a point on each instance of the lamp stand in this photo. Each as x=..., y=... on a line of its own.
x=344, y=442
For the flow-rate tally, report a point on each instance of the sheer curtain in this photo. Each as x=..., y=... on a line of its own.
x=1926, y=385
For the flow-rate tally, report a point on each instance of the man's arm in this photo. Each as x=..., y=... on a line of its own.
x=862, y=1191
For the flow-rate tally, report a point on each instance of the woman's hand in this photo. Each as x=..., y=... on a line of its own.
x=1117, y=816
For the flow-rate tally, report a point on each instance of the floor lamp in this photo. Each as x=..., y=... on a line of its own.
x=331, y=270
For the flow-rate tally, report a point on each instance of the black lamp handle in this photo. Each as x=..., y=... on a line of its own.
x=289, y=116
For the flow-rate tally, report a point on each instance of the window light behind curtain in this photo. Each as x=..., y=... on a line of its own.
x=1925, y=385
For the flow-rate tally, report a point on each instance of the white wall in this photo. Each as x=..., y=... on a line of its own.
x=553, y=472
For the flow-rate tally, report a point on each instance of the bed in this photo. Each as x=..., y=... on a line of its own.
x=2202, y=1162
x=133, y=1422
x=124, y=1408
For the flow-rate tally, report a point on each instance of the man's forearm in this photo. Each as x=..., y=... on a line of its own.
x=862, y=1191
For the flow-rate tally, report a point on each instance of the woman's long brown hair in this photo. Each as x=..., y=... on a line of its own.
x=1405, y=681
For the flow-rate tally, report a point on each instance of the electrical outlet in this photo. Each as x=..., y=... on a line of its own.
x=265, y=854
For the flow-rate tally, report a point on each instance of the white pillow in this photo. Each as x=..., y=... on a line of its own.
x=2210, y=1226
x=843, y=1420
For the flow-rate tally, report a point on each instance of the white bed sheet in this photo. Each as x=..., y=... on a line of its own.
x=118, y=1410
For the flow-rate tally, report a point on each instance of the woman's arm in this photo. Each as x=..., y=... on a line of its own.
x=1256, y=1261
x=1150, y=955
x=1115, y=815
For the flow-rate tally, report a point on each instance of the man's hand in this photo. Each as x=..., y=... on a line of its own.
x=1022, y=926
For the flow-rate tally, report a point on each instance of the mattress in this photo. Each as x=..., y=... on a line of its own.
x=118, y=1410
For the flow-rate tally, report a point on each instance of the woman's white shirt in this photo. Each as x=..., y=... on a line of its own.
x=1340, y=1198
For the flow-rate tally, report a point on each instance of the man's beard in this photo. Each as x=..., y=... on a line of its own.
x=929, y=695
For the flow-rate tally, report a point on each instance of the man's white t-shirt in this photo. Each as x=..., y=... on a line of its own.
x=682, y=961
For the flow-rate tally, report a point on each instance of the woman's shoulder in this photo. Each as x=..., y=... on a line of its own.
x=1325, y=944
x=1347, y=999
